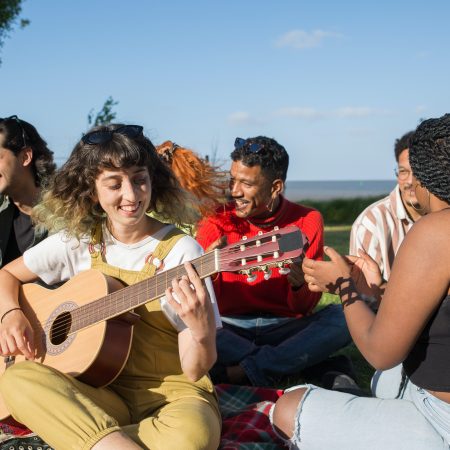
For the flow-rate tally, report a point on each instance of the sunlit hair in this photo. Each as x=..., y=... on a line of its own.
x=69, y=203
x=15, y=131
x=203, y=180
x=429, y=156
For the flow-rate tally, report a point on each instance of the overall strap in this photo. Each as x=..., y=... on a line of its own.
x=96, y=246
x=162, y=250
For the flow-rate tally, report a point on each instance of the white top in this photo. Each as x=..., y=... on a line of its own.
x=380, y=229
x=59, y=257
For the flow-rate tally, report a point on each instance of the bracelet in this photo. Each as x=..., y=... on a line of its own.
x=9, y=310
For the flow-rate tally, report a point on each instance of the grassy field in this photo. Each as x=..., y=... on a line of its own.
x=338, y=215
x=338, y=238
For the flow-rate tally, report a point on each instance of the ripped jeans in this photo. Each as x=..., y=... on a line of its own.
x=416, y=420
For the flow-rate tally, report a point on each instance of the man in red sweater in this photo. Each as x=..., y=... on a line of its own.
x=269, y=328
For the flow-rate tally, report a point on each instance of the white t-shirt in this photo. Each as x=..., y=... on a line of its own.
x=58, y=258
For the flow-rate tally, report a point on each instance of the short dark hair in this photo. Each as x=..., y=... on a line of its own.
x=272, y=157
x=402, y=144
x=429, y=156
x=20, y=134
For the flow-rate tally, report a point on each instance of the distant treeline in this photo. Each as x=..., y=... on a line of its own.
x=341, y=211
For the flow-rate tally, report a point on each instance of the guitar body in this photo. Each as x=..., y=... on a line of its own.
x=94, y=355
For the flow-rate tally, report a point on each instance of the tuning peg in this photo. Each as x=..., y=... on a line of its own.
x=267, y=274
x=283, y=270
x=251, y=277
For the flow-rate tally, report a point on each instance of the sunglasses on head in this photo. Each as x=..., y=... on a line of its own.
x=251, y=147
x=104, y=136
x=19, y=123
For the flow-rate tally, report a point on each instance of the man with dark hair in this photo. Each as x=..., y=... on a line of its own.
x=381, y=227
x=25, y=164
x=269, y=328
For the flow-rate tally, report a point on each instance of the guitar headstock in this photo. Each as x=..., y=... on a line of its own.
x=277, y=248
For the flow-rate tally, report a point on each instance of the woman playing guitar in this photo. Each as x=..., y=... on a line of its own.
x=97, y=205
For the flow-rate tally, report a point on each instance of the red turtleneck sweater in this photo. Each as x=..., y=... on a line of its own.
x=235, y=296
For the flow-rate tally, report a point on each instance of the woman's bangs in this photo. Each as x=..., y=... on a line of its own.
x=117, y=155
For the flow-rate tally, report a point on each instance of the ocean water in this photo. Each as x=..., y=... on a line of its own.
x=328, y=190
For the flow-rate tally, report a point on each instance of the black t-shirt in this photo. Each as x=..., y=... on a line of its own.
x=21, y=237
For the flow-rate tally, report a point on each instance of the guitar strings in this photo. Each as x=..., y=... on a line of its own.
x=92, y=309
x=115, y=300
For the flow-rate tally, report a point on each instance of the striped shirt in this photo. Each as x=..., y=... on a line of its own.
x=380, y=229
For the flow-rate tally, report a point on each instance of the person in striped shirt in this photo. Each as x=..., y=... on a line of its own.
x=381, y=227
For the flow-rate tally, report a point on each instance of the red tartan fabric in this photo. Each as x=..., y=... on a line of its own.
x=245, y=417
x=245, y=420
x=11, y=428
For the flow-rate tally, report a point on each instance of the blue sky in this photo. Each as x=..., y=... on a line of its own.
x=335, y=82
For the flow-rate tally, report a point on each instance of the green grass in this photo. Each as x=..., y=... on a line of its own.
x=338, y=238
x=342, y=211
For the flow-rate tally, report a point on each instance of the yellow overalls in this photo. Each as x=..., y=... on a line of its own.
x=152, y=401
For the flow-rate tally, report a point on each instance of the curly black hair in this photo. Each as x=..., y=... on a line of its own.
x=402, y=144
x=20, y=134
x=429, y=156
x=264, y=152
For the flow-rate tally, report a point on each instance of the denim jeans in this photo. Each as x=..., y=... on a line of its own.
x=416, y=420
x=270, y=347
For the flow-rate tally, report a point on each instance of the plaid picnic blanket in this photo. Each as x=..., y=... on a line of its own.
x=245, y=416
x=14, y=436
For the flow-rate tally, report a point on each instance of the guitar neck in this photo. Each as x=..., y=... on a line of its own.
x=130, y=297
x=261, y=252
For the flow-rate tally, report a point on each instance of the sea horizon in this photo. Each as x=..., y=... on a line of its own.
x=335, y=189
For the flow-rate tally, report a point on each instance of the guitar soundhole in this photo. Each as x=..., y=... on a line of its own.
x=60, y=328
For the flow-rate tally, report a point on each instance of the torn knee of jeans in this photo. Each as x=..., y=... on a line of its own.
x=294, y=441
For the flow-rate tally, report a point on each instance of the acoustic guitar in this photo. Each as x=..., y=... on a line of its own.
x=84, y=328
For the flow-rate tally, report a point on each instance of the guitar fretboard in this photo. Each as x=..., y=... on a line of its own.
x=138, y=294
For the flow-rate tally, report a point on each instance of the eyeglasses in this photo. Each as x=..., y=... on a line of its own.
x=104, y=136
x=251, y=147
x=402, y=174
x=19, y=123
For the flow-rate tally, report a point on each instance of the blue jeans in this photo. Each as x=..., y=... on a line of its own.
x=415, y=421
x=270, y=347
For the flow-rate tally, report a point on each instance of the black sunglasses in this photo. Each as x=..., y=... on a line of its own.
x=19, y=123
x=101, y=137
x=251, y=147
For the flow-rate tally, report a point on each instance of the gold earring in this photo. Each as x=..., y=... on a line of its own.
x=269, y=206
